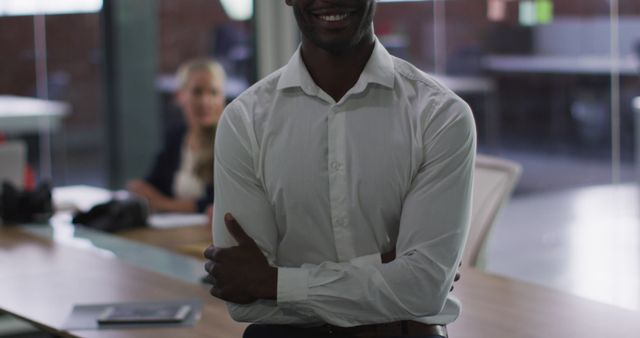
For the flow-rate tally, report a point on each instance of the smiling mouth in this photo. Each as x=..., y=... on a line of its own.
x=334, y=17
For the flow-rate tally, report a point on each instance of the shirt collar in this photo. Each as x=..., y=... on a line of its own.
x=379, y=69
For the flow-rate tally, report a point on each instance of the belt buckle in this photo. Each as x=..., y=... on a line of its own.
x=329, y=329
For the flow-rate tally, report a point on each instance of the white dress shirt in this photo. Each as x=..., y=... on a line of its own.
x=325, y=187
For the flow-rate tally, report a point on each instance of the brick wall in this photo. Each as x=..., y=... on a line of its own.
x=16, y=56
x=186, y=30
x=74, y=53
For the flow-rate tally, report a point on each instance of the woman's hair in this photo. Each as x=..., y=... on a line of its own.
x=186, y=69
x=203, y=167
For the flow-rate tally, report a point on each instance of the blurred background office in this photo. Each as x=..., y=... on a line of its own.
x=554, y=85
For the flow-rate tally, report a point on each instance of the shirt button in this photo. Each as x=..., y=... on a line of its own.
x=336, y=165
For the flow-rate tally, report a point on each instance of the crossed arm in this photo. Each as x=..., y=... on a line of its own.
x=242, y=275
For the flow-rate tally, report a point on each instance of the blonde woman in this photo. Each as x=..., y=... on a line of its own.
x=181, y=179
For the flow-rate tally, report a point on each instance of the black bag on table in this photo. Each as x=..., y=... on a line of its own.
x=21, y=206
x=114, y=215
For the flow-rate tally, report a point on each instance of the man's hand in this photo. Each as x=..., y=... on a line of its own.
x=240, y=274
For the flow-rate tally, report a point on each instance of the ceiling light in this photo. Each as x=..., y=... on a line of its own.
x=36, y=7
x=240, y=10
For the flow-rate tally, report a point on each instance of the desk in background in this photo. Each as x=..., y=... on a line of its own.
x=183, y=233
x=42, y=279
x=26, y=114
x=561, y=99
x=585, y=65
x=30, y=115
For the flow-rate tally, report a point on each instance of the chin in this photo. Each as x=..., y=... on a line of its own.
x=336, y=47
x=339, y=43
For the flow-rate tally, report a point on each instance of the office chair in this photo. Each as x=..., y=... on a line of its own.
x=494, y=181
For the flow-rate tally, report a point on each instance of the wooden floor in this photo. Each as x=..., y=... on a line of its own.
x=583, y=241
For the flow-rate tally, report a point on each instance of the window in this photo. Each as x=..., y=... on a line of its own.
x=552, y=86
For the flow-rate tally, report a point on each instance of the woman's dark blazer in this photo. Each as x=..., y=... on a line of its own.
x=167, y=163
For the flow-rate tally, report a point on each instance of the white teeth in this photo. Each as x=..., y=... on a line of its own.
x=335, y=17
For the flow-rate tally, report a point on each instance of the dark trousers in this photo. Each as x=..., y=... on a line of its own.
x=287, y=331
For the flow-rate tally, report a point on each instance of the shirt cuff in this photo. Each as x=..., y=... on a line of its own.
x=292, y=285
x=368, y=260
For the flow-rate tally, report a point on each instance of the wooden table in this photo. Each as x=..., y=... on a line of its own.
x=41, y=280
x=191, y=240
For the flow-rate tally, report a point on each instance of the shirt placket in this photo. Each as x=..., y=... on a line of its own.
x=338, y=187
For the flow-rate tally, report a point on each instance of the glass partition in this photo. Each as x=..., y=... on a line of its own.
x=552, y=85
x=90, y=57
x=56, y=57
x=195, y=29
x=79, y=53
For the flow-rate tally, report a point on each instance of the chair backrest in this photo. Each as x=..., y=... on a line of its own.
x=13, y=159
x=494, y=181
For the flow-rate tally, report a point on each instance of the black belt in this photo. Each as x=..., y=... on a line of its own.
x=407, y=328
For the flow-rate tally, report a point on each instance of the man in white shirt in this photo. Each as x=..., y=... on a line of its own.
x=343, y=189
